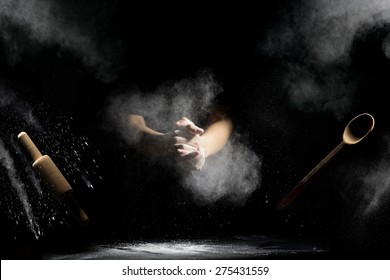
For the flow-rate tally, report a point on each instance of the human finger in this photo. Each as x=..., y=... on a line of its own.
x=193, y=129
x=186, y=155
x=183, y=149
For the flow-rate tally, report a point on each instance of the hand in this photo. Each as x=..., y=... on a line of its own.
x=189, y=151
x=190, y=127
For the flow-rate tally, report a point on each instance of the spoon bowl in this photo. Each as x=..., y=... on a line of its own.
x=358, y=128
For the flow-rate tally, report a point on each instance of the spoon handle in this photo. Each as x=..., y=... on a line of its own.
x=302, y=184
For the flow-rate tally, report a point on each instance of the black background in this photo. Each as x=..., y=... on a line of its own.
x=160, y=43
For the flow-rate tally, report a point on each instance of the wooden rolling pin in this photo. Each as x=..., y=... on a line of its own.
x=53, y=178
